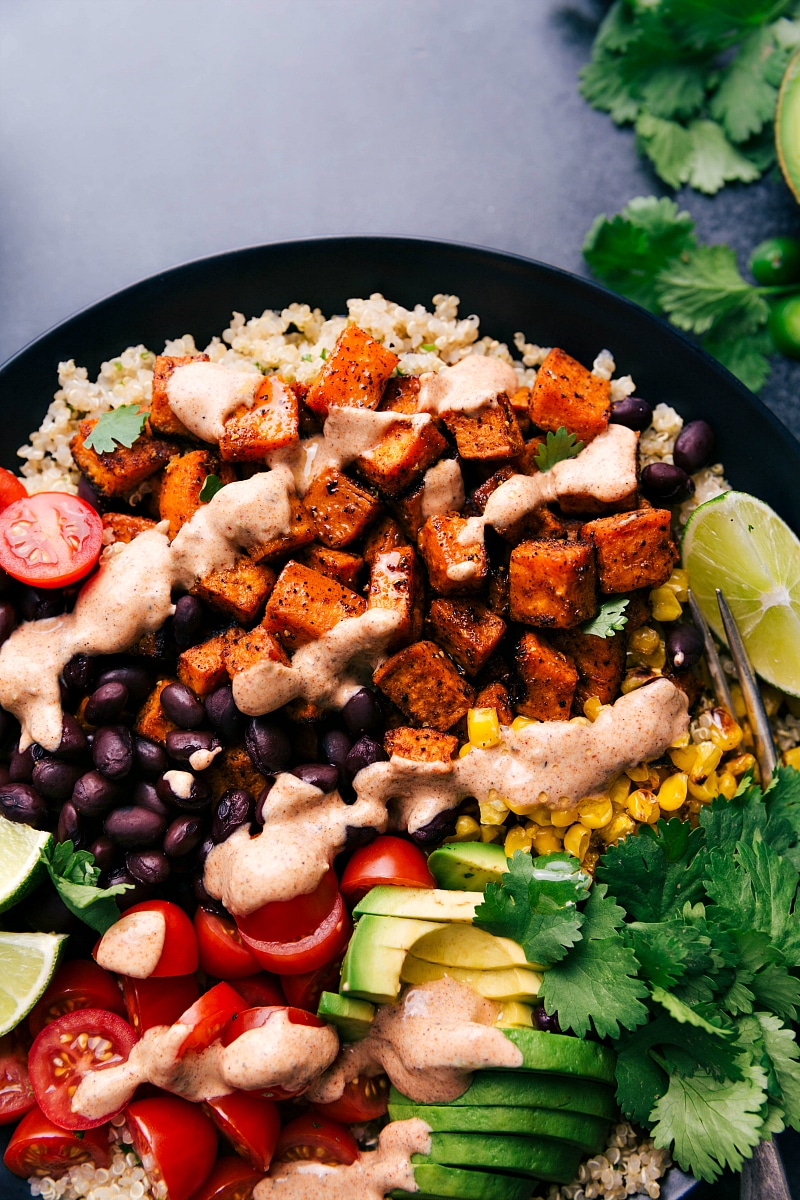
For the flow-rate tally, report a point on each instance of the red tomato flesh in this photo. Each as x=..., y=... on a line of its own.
x=179, y=956
x=208, y=1016
x=38, y=1147
x=363, y=1099
x=307, y=953
x=231, y=1179
x=311, y=1138
x=387, y=860
x=250, y=1123
x=175, y=1140
x=11, y=488
x=304, y=991
x=78, y=984
x=50, y=539
x=222, y=953
x=292, y=920
x=150, y=1002
x=16, y=1093
x=262, y=991
x=85, y=1040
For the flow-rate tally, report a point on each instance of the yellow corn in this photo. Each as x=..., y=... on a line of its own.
x=596, y=813
x=467, y=830
x=707, y=760
x=483, y=728
x=635, y=678
x=746, y=762
x=541, y=816
x=639, y=774
x=545, y=841
x=465, y=749
x=579, y=721
x=563, y=817
x=664, y=604
x=517, y=839
x=522, y=723
x=683, y=739
x=739, y=706
x=683, y=757
x=620, y=827
x=576, y=840
x=644, y=640
x=643, y=806
x=725, y=733
x=494, y=809
x=658, y=658
x=727, y=784
x=706, y=789
x=618, y=792
x=791, y=758
x=678, y=583
x=593, y=707
x=491, y=833
x=672, y=793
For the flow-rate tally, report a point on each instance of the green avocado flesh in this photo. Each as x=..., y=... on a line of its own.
x=561, y=1055
x=521, y=1089
x=351, y=1017
x=787, y=126
x=435, y=1181
x=539, y=1158
x=468, y=866
x=588, y=1133
x=423, y=904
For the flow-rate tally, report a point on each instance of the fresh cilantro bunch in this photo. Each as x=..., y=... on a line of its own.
x=697, y=80
x=685, y=955
x=649, y=252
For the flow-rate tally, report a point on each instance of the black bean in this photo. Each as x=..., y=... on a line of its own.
x=319, y=775
x=260, y=801
x=150, y=758
x=235, y=808
x=182, y=743
x=69, y=825
x=8, y=619
x=204, y=898
x=362, y=714
x=55, y=780
x=146, y=795
x=198, y=794
x=187, y=623
x=135, y=894
x=544, y=1021
x=74, y=744
x=21, y=803
x=136, y=679
x=20, y=766
x=112, y=751
x=694, y=446
x=131, y=825
x=633, y=412
x=4, y=775
x=106, y=703
x=148, y=866
x=357, y=836
x=684, y=647
x=182, y=706
x=334, y=747
x=80, y=672
x=37, y=604
x=223, y=714
x=268, y=746
x=662, y=481
x=183, y=836
x=93, y=794
x=364, y=753
x=104, y=852
x=204, y=849
x=442, y=825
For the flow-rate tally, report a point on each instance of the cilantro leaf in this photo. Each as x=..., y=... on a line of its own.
x=754, y=889
x=211, y=485
x=706, y=286
x=74, y=875
x=557, y=447
x=535, y=904
x=669, y=147
x=655, y=873
x=119, y=427
x=684, y=1014
x=627, y=251
x=609, y=619
x=745, y=98
x=783, y=1053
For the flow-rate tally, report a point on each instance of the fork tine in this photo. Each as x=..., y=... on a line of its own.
x=757, y=715
x=718, y=677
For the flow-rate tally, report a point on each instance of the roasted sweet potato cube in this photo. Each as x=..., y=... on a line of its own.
x=179, y=495
x=566, y=393
x=634, y=549
x=453, y=569
x=550, y=524
x=400, y=394
x=409, y=511
x=637, y=611
x=233, y=768
x=162, y=418
x=495, y=695
x=115, y=472
x=385, y=535
x=340, y=509
x=420, y=745
x=395, y=582
x=423, y=683
x=305, y=604
x=122, y=527
x=240, y=590
x=489, y=433
x=202, y=667
x=600, y=663
x=151, y=721
x=477, y=502
x=468, y=631
x=301, y=533
x=272, y=423
x=336, y=564
x=401, y=456
x=355, y=374
x=552, y=583
x=498, y=590
x=154, y=646
x=548, y=680
x=520, y=402
x=246, y=649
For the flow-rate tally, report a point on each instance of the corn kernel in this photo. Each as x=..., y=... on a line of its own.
x=579, y=721
x=621, y=827
x=706, y=760
x=545, y=841
x=657, y=660
x=494, y=809
x=596, y=813
x=593, y=707
x=746, y=762
x=672, y=793
x=639, y=774
x=491, y=833
x=739, y=706
x=517, y=839
x=678, y=583
x=522, y=723
x=791, y=758
x=683, y=757
x=643, y=806
x=725, y=733
x=467, y=830
x=483, y=727
x=618, y=792
x=683, y=739
x=727, y=784
x=465, y=750
x=644, y=640
x=541, y=816
x=576, y=840
x=636, y=678
x=664, y=604
x=563, y=817
x=706, y=789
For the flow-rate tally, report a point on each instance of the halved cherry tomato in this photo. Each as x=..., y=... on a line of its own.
x=38, y=1147
x=208, y=1016
x=11, y=488
x=364, y=1099
x=78, y=984
x=150, y=1002
x=50, y=539
x=16, y=1093
x=387, y=860
x=255, y=1018
x=179, y=956
x=250, y=1123
x=304, y=991
x=222, y=953
x=316, y=1139
x=315, y=949
x=176, y=1142
x=231, y=1179
x=291, y=920
x=261, y=991
x=85, y=1040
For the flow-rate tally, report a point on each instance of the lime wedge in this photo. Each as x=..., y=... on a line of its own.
x=27, y=963
x=20, y=860
x=737, y=543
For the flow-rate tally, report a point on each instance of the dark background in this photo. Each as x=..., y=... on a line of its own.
x=137, y=134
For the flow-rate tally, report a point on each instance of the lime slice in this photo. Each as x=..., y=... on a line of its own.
x=27, y=963
x=737, y=543
x=20, y=860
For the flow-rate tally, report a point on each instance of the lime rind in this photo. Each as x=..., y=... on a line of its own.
x=27, y=964
x=21, y=865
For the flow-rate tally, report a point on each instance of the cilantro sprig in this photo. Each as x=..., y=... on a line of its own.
x=609, y=619
x=555, y=448
x=75, y=877
x=211, y=485
x=118, y=427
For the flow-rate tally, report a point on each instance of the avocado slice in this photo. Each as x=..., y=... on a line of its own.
x=351, y=1017
x=561, y=1055
x=589, y=1133
x=538, y=1158
x=508, y=983
x=423, y=904
x=468, y=866
x=787, y=131
x=375, y=956
x=525, y=1090
x=436, y=1182
x=459, y=945
x=514, y=1012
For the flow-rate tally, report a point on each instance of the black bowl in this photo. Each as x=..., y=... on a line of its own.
x=509, y=293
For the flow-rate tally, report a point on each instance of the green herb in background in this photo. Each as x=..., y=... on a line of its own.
x=609, y=619
x=119, y=427
x=555, y=448
x=698, y=81
x=211, y=485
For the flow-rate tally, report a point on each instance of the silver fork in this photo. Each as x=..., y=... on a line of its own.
x=763, y=1175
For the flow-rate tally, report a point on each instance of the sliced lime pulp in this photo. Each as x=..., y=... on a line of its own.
x=20, y=860
x=27, y=963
